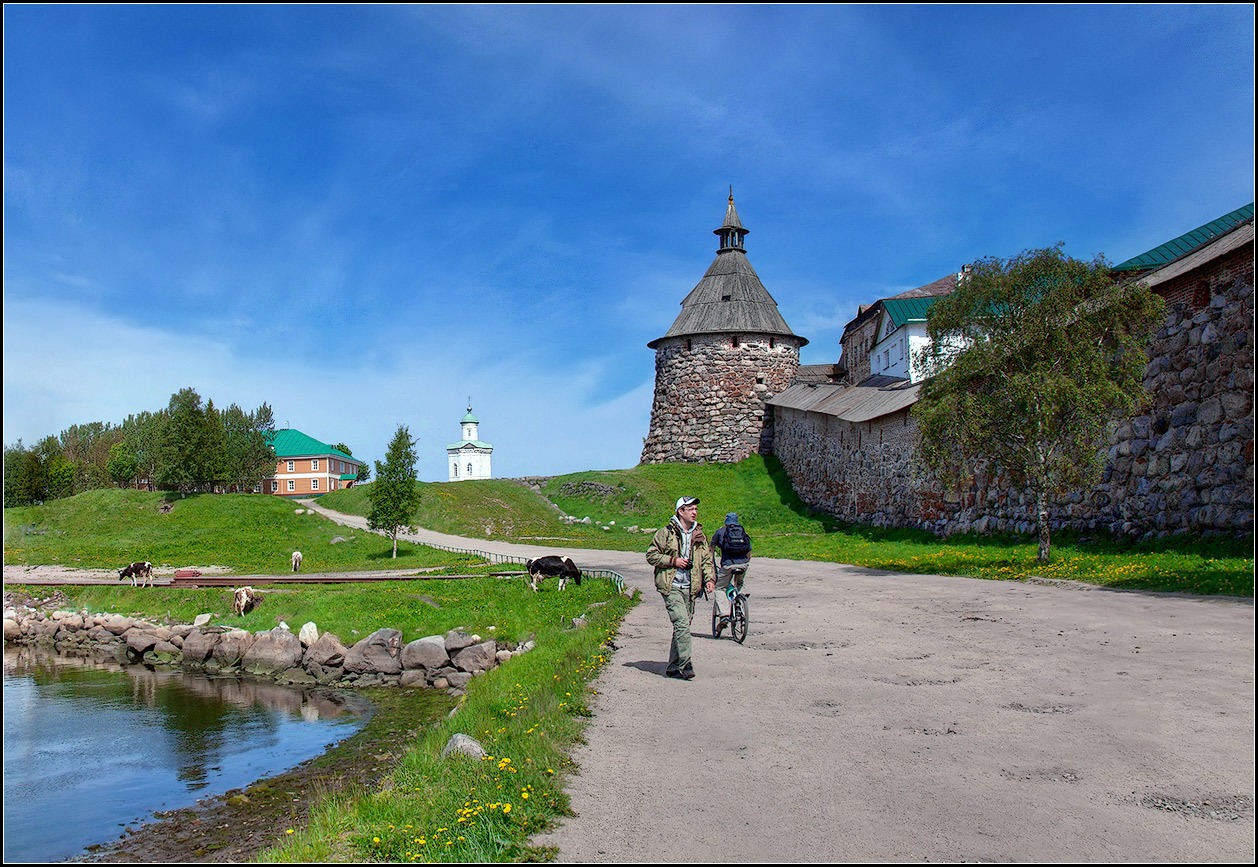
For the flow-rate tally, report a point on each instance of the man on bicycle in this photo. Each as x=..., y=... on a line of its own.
x=735, y=547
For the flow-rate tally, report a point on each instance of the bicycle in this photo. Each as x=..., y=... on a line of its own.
x=739, y=616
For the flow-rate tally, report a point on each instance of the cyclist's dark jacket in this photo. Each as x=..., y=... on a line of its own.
x=666, y=544
x=718, y=539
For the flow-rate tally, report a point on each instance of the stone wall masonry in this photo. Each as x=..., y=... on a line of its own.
x=305, y=659
x=710, y=394
x=1184, y=464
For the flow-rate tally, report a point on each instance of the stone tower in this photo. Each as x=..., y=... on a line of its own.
x=727, y=352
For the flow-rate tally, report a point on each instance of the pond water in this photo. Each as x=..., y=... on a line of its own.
x=92, y=747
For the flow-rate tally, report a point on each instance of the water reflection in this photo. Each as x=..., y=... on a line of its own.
x=100, y=746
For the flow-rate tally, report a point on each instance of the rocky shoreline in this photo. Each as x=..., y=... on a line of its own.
x=302, y=659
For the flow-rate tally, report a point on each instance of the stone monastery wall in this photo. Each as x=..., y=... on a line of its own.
x=710, y=391
x=1185, y=464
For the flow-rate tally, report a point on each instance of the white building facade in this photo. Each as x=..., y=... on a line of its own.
x=470, y=458
x=900, y=336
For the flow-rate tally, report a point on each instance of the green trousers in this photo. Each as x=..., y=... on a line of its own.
x=681, y=607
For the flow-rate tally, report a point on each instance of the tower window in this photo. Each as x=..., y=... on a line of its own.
x=687, y=344
x=772, y=342
x=724, y=297
x=734, y=341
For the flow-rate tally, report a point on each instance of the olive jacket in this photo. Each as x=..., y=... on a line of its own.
x=666, y=544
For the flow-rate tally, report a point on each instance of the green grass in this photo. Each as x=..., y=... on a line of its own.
x=251, y=534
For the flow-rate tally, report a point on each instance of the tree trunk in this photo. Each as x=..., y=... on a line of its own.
x=394, y=546
x=1041, y=508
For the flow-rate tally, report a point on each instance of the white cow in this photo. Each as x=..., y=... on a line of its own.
x=296, y=561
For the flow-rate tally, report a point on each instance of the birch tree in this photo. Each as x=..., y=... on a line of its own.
x=1030, y=360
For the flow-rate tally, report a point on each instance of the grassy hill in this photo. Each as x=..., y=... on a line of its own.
x=251, y=533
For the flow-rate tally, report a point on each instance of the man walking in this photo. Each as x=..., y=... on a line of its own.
x=676, y=551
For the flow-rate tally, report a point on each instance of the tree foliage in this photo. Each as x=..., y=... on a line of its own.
x=394, y=495
x=1029, y=362
x=364, y=471
x=183, y=446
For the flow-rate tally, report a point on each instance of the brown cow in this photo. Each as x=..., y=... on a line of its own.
x=244, y=600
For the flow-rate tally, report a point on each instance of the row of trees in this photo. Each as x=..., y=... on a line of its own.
x=188, y=446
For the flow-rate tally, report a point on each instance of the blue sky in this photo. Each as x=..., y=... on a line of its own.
x=365, y=215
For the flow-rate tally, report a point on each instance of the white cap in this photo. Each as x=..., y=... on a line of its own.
x=686, y=501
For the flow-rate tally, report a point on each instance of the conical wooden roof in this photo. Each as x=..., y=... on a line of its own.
x=730, y=299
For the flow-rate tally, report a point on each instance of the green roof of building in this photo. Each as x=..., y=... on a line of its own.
x=289, y=443
x=462, y=444
x=1188, y=242
x=903, y=310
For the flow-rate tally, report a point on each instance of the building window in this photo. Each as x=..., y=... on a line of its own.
x=456, y=471
x=257, y=489
x=314, y=464
x=292, y=485
x=291, y=466
x=469, y=469
x=314, y=484
x=275, y=486
x=734, y=341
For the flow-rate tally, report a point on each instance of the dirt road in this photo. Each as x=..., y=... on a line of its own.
x=883, y=717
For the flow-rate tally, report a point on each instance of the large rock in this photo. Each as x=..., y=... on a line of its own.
x=325, y=659
x=478, y=657
x=231, y=647
x=427, y=653
x=271, y=653
x=198, y=645
x=380, y=652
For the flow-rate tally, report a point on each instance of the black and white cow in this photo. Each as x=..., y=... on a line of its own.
x=139, y=573
x=552, y=566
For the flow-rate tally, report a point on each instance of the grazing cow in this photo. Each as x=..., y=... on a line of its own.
x=552, y=567
x=139, y=573
x=244, y=600
x=296, y=561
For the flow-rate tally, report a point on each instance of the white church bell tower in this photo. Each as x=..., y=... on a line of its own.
x=470, y=458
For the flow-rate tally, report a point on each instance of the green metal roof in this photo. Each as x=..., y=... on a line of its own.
x=1188, y=242
x=903, y=310
x=462, y=444
x=289, y=443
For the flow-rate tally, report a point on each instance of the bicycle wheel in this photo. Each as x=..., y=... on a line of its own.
x=739, y=619
x=716, y=621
